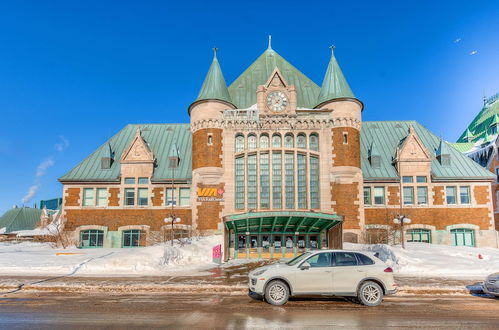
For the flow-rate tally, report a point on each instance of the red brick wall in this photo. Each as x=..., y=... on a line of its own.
x=393, y=197
x=345, y=195
x=72, y=197
x=346, y=154
x=204, y=155
x=115, y=218
x=481, y=194
x=114, y=197
x=208, y=213
x=157, y=196
x=438, y=217
x=439, y=197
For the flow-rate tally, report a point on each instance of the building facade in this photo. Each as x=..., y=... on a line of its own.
x=277, y=165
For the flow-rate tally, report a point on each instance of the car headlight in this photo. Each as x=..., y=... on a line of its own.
x=259, y=272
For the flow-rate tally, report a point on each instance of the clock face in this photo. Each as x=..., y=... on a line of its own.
x=277, y=101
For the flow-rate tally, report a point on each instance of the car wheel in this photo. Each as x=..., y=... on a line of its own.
x=370, y=294
x=277, y=293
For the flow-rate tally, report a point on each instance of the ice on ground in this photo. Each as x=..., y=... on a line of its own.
x=30, y=258
x=422, y=259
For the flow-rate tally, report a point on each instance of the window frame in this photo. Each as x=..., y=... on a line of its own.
x=382, y=188
x=447, y=195
x=468, y=188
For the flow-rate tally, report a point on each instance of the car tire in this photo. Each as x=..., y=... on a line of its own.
x=255, y=296
x=370, y=294
x=277, y=293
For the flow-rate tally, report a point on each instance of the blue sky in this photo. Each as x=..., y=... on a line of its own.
x=72, y=73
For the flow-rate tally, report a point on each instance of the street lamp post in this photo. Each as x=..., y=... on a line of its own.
x=401, y=220
x=172, y=219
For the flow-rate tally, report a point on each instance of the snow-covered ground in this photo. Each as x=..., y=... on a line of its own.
x=41, y=259
x=422, y=259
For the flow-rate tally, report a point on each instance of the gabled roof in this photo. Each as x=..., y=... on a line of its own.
x=22, y=218
x=159, y=138
x=214, y=86
x=388, y=136
x=243, y=89
x=334, y=85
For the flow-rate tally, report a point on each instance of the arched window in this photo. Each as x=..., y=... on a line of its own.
x=301, y=141
x=462, y=237
x=289, y=141
x=313, y=142
x=252, y=141
x=91, y=238
x=419, y=235
x=239, y=143
x=264, y=141
x=276, y=141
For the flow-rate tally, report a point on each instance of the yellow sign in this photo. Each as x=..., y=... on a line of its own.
x=210, y=194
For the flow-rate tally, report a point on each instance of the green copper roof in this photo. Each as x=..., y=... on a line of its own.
x=160, y=139
x=483, y=121
x=388, y=134
x=334, y=84
x=463, y=146
x=22, y=218
x=214, y=86
x=443, y=148
x=373, y=150
x=243, y=89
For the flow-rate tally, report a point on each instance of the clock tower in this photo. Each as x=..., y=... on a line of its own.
x=276, y=97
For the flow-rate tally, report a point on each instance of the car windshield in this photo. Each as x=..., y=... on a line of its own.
x=297, y=259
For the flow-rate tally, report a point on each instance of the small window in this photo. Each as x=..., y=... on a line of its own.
x=379, y=195
x=421, y=179
x=129, y=180
x=408, y=195
x=419, y=235
x=363, y=259
x=422, y=195
x=264, y=141
x=239, y=143
x=367, y=195
x=464, y=195
x=131, y=238
x=129, y=196
x=407, y=179
x=276, y=141
x=314, y=142
x=251, y=141
x=171, y=198
x=91, y=238
x=344, y=259
x=143, y=181
x=462, y=237
x=345, y=138
x=450, y=193
x=88, y=197
x=301, y=141
x=101, y=199
x=143, y=196
x=185, y=196
x=289, y=141
x=210, y=139
x=320, y=260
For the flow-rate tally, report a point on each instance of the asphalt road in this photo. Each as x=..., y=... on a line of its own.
x=26, y=310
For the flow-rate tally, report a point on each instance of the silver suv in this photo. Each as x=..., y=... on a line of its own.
x=358, y=275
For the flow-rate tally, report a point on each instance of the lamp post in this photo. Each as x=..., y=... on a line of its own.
x=401, y=220
x=172, y=220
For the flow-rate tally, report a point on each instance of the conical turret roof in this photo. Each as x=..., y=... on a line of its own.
x=334, y=84
x=214, y=86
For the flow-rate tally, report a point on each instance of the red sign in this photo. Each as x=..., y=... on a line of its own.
x=217, y=251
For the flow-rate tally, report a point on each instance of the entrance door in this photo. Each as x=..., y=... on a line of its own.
x=318, y=278
x=346, y=273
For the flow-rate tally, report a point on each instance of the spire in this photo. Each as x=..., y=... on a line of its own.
x=334, y=84
x=270, y=42
x=443, y=153
x=468, y=136
x=214, y=86
x=495, y=120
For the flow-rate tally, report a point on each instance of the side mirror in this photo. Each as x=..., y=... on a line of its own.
x=305, y=266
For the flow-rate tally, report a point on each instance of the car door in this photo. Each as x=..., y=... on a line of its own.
x=316, y=279
x=347, y=274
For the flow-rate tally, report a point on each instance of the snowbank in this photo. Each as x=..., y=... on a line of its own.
x=422, y=259
x=29, y=258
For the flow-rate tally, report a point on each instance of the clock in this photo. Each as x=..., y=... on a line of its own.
x=277, y=101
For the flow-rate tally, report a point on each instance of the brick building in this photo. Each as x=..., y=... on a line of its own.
x=277, y=165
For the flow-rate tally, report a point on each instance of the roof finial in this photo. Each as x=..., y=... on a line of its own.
x=332, y=47
x=270, y=41
x=215, y=52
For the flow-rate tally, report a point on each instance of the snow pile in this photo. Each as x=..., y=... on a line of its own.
x=422, y=259
x=29, y=258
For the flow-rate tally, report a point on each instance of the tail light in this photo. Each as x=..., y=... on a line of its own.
x=388, y=270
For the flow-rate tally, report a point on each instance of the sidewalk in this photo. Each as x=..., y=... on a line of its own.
x=221, y=280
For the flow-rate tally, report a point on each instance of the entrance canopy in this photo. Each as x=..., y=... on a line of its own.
x=281, y=222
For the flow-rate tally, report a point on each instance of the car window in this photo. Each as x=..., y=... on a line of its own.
x=345, y=259
x=364, y=260
x=297, y=259
x=320, y=260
